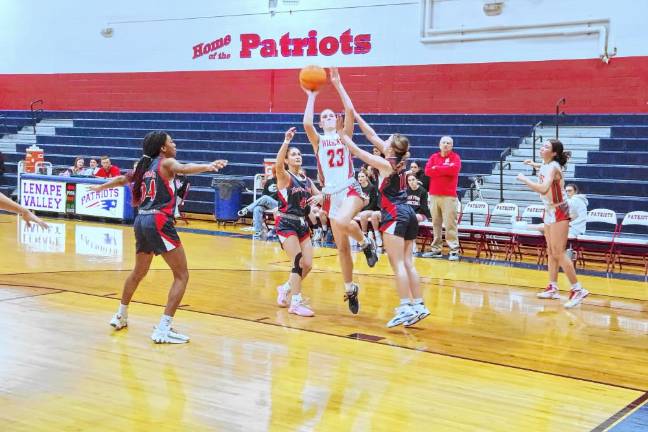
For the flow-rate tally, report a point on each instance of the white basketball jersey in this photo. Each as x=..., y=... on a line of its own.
x=334, y=162
x=556, y=193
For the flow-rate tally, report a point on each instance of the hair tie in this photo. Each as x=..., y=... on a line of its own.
x=147, y=156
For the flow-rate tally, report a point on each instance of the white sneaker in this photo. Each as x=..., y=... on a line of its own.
x=168, y=336
x=404, y=313
x=283, y=291
x=432, y=254
x=174, y=334
x=576, y=297
x=453, y=256
x=421, y=312
x=118, y=322
x=550, y=293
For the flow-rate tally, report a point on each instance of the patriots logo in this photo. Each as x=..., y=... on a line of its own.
x=108, y=204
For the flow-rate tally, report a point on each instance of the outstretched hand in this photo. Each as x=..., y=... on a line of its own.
x=335, y=76
x=290, y=134
x=217, y=165
x=95, y=188
x=30, y=218
x=521, y=177
x=310, y=92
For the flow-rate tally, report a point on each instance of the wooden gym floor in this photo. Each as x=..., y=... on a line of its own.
x=490, y=357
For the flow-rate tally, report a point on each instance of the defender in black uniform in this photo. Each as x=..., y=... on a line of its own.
x=399, y=224
x=296, y=194
x=154, y=193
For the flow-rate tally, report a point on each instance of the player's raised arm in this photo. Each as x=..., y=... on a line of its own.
x=121, y=180
x=346, y=101
x=309, y=113
x=175, y=167
x=371, y=134
x=282, y=175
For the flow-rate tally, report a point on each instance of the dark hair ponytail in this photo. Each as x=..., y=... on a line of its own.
x=151, y=146
x=561, y=155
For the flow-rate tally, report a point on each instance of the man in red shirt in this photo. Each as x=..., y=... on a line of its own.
x=443, y=169
x=107, y=170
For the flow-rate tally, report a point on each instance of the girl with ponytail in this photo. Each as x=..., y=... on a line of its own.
x=399, y=225
x=153, y=190
x=551, y=187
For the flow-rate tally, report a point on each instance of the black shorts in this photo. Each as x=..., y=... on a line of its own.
x=404, y=224
x=155, y=233
x=291, y=227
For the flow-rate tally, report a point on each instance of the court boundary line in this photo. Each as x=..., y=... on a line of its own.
x=428, y=279
x=455, y=356
x=53, y=291
x=623, y=414
x=472, y=260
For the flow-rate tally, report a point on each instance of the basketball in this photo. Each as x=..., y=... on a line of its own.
x=312, y=77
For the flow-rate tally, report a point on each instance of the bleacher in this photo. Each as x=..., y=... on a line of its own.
x=613, y=177
x=246, y=139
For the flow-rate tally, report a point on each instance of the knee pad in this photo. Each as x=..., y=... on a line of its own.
x=297, y=265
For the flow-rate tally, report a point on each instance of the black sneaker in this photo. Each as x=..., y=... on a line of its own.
x=352, y=297
x=370, y=252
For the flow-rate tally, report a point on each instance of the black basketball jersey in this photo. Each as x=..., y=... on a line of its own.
x=292, y=199
x=393, y=192
x=158, y=193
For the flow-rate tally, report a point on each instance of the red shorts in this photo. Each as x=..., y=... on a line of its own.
x=333, y=202
x=557, y=213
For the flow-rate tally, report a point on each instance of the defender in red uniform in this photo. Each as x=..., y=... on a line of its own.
x=154, y=193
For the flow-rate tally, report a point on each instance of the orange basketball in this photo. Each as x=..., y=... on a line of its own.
x=312, y=77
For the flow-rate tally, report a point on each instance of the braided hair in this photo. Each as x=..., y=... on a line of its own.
x=151, y=147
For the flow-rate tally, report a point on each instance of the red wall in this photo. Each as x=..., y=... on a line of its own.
x=522, y=87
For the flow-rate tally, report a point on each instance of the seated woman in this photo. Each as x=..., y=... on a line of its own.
x=417, y=198
x=267, y=201
x=371, y=211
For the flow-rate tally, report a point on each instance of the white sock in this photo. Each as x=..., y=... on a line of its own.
x=405, y=301
x=577, y=286
x=553, y=285
x=417, y=301
x=123, y=310
x=296, y=299
x=348, y=286
x=165, y=322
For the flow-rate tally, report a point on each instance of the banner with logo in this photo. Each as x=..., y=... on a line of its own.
x=42, y=195
x=108, y=203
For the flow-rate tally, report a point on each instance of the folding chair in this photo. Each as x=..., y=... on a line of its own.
x=472, y=231
x=633, y=247
x=503, y=215
x=596, y=244
x=525, y=239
